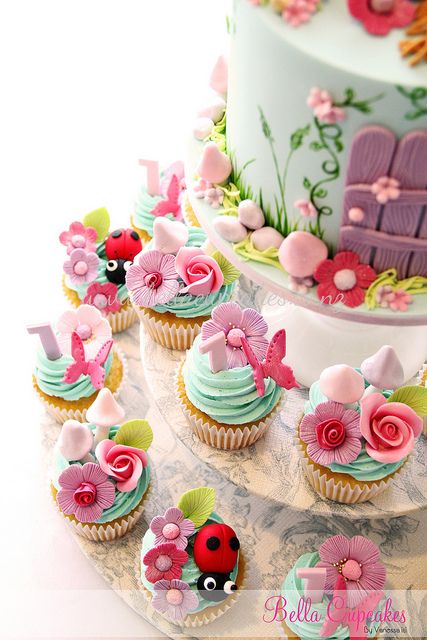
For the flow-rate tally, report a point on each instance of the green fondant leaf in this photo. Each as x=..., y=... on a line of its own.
x=197, y=505
x=100, y=221
x=229, y=271
x=135, y=433
x=414, y=397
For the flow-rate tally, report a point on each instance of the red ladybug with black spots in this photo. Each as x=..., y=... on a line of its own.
x=121, y=247
x=216, y=550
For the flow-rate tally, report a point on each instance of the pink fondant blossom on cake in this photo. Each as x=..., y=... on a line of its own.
x=79, y=237
x=85, y=492
x=401, y=13
x=385, y=189
x=323, y=106
x=121, y=462
x=152, y=279
x=237, y=323
x=103, y=296
x=82, y=267
x=201, y=187
x=355, y=559
x=297, y=12
x=89, y=324
x=172, y=527
x=306, y=208
x=214, y=197
x=332, y=434
x=396, y=300
x=201, y=273
x=389, y=428
x=343, y=279
x=164, y=562
x=175, y=598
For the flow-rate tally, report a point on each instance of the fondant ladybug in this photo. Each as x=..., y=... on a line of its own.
x=121, y=247
x=215, y=552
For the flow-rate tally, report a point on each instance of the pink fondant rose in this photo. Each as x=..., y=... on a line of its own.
x=121, y=462
x=389, y=428
x=200, y=272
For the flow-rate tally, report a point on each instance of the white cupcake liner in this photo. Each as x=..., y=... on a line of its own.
x=172, y=336
x=61, y=415
x=107, y=531
x=123, y=319
x=225, y=436
x=338, y=491
x=422, y=374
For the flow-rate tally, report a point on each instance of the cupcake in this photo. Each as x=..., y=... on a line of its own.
x=422, y=381
x=341, y=586
x=230, y=384
x=359, y=428
x=162, y=196
x=191, y=563
x=188, y=213
x=101, y=471
x=174, y=284
x=96, y=265
x=75, y=362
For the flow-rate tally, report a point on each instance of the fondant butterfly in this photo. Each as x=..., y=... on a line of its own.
x=82, y=367
x=172, y=203
x=272, y=366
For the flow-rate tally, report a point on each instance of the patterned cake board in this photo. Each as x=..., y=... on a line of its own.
x=272, y=534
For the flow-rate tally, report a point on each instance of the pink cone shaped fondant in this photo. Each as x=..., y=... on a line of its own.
x=169, y=235
x=342, y=383
x=214, y=166
x=219, y=76
x=301, y=252
x=75, y=441
x=105, y=411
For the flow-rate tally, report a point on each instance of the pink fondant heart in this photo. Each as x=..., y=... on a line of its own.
x=169, y=235
x=214, y=166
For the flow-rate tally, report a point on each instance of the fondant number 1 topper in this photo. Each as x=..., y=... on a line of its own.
x=215, y=347
x=48, y=339
x=153, y=176
x=315, y=580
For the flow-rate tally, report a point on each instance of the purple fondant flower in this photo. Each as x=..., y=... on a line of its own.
x=332, y=434
x=175, y=598
x=82, y=267
x=164, y=562
x=172, y=527
x=85, y=492
x=152, y=279
x=237, y=323
x=78, y=237
x=357, y=560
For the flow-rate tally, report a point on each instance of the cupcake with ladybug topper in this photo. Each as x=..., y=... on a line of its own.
x=101, y=471
x=232, y=380
x=191, y=563
x=344, y=583
x=96, y=266
x=174, y=283
x=359, y=428
x=76, y=360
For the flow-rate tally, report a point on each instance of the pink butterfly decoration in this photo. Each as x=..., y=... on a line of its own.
x=172, y=203
x=272, y=366
x=82, y=367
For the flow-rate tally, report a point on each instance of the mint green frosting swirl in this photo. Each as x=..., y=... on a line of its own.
x=188, y=306
x=142, y=217
x=124, y=502
x=190, y=571
x=293, y=590
x=364, y=468
x=50, y=373
x=229, y=397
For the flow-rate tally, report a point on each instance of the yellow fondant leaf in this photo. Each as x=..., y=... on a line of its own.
x=135, y=433
x=100, y=221
x=414, y=397
x=229, y=271
x=197, y=505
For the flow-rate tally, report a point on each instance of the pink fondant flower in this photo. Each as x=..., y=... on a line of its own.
x=82, y=267
x=357, y=560
x=400, y=300
x=85, y=492
x=379, y=23
x=389, y=428
x=201, y=187
x=124, y=464
x=164, y=562
x=103, y=296
x=237, y=323
x=214, y=197
x=298, y=12
x=343, y=279
x=78, y=237
x=174, y=598
x=385, y=189
x=152, y=279
x=323, y=106
x=332, y=434
x=200, y=273
x=384, y=295
x=172, y=527
x=88, y=323
x=306, y=208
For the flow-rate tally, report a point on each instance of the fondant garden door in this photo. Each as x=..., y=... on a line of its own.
x=393, y=234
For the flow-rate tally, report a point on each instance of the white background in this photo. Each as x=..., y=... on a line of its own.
x=86, y=88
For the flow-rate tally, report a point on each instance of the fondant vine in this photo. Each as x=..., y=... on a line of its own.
x=415, y=96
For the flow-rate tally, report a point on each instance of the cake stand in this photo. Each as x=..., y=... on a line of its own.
x=320, y=335
x=273, y=534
